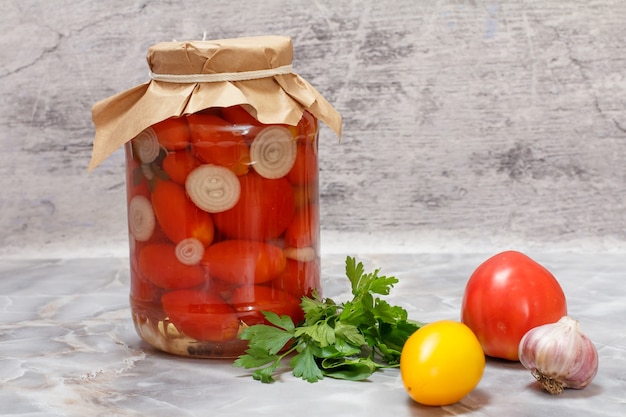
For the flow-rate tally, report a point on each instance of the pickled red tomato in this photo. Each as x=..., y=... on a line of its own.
x=298, y=278
x=216, y=141
x=142, y=290
x=201, y=315
x=265, y=209
x=307, y=128
x=178, y=164
x=244, y=261
x=178, y=217
x=306, y=194
x=305, y=168
x=250, y=300
x=159, y=264
x=303, y=230
x=222, y=288
x=173, y=133
x=239, y=116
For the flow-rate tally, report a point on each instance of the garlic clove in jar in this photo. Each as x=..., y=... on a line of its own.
x=559, y=355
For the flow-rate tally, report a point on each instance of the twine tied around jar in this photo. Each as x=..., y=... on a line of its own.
x=224, y=76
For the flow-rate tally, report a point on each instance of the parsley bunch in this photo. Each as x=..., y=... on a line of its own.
x=349, y=340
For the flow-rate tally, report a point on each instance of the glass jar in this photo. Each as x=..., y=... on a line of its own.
x=222, y=186
x=224, y=224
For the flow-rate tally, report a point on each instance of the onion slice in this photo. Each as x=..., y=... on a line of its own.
x=189, y=251
x=146, y=146
x=141, y=220
x=300, y=254
x=273, y=152
x=213, y=188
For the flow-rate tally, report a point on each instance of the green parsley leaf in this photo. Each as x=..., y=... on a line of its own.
x=265, y=374
x=267, y=338
x=305, y=367
x=284, y=321
x=387, y=313
x=343, y=347
x=367, y=283
x=315, y=309
x=354, y=273
x=255, y=357
x=320, y=332
x=350, y=333
x=350, y=369
x=381, y=285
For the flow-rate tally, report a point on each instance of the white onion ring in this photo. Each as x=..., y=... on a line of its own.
x=300, y=254
x=189, y=251
x=141, y=220
x=273, y=152
x=146, y=146
x=213, y=188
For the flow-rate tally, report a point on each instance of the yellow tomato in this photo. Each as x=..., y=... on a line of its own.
x=441, y=363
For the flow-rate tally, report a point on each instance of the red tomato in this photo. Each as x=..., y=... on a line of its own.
x=237, y=115
x=264, y=210
x=505, y=297
x=244, y=262
x=244, y=121
x=299, y=278
x=222, y=288
x=305, y=167
x=216, y=141
x=142, y=290
x=179, y=164
x=303, y=230
x=158, y=264
x=178, y=216
x=307, y=127
x=201, y=315
x=306, y=194
x=173, y=133
x=145, y=297
x=251, y=300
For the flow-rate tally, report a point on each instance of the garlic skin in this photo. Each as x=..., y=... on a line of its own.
x=559, y=355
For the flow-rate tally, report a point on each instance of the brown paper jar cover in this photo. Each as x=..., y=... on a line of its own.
x=276, y=99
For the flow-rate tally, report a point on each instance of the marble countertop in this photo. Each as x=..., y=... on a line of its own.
x=68, y=347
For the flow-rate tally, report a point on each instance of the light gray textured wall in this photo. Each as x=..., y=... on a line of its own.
x=469, y=125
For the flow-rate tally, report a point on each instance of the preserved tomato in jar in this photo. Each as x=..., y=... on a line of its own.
x=219, y=228
x=222, y=190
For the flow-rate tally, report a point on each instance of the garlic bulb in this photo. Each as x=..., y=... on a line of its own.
x=559, y=355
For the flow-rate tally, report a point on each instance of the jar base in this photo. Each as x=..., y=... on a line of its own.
x=164, y=336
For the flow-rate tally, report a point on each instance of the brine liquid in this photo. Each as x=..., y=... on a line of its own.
x=224, y=224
